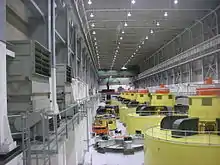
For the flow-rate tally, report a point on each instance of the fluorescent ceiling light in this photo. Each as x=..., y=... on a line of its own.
x=91, y=15
x=129, y=14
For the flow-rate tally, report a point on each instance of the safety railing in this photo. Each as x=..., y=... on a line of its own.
x=181, y=136
x=58, y=126
x=25, y=137
x=160, y=113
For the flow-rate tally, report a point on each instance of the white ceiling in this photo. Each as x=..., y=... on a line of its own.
x=110, y=15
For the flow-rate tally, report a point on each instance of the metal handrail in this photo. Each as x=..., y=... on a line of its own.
x=165, y=134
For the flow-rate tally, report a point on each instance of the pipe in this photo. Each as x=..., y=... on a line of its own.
x=52, y=34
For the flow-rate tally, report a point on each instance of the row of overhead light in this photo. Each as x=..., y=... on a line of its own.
x=94, y=38
x=146, y=38
x=121, y=38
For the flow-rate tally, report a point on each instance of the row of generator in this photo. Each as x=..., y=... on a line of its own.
x=175, y=129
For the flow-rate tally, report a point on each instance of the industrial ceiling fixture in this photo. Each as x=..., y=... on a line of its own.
x=133, y=1
x=121, y=38
x=139, y=46
x=123, y=68
x=63, y=4
x=165, y=14
x=146, y=37
x=94, y=38
x=158, y=23
x=89, y=2
x=93, y=25
x=91, y=15
x=175, y=2
x=123, y=32
x=151, y=31
x=95, y=43
x=72, y=23
x=94, y=32
x=129, y=14
x=125, y=24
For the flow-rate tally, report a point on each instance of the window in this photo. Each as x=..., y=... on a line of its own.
x=138, y=132
x=159, y=97
x=141, y=95
x=110, y=122
x=170, y=96
x=190, y=101
x=207, y=101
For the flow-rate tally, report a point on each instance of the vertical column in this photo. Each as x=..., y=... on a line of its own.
x=68, y=36
x=190, y=72
x=76, y=52
x=202, y=68
x=217, y=66
x=6, y=141
x=53, y=51
x=174, y=76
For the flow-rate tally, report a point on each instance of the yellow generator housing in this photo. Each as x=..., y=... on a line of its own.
x=162, y=97
x=143, y=96
x=124, y=111
x=132, y=95
x=194, y=139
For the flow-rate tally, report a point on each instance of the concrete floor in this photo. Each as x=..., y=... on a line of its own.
x=95, y=158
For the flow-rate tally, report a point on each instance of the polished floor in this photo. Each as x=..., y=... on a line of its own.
x=95, y=158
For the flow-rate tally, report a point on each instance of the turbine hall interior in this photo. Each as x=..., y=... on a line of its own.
x=114, y=82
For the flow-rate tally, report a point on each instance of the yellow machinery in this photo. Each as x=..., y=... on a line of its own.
x=109, y=119
x=143, y=96
x=162, y=97
x=133, y=95
x=186, y=140
x=162, y=104
x=140, y=97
